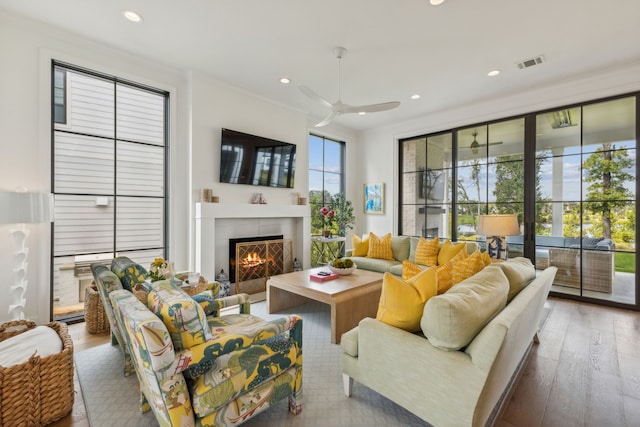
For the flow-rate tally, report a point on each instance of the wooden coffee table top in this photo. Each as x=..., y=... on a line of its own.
x=301, y=280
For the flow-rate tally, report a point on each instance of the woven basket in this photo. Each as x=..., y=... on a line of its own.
x=39, y=391
x=95, y=317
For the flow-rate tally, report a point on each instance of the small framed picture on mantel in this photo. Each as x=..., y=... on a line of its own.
x=374, y=198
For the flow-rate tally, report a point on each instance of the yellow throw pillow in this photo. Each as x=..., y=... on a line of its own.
x=467, y=267
x=409, y=269
x=360, y=246
x=445, y=277
x=448, y=251
x=486, y=259
x=401, y=303
x=427, y=251
x=380, y=247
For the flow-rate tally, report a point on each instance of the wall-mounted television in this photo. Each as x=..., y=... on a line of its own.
x=255, y=160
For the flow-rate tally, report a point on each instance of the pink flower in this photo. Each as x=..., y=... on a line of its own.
x=324, y=211
x=331, y=213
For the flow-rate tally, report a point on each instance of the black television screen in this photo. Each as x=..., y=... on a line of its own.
x=255, y=160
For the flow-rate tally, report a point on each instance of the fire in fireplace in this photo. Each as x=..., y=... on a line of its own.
x=247, y=261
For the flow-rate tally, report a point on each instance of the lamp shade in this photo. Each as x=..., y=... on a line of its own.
x=19, y=207
x=499, y=225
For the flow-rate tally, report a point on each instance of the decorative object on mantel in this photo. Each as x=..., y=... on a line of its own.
x=258, y=199
x=21, y=208
x=205, y=195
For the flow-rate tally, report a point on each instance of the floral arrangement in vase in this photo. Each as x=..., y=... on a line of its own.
x=160, y=270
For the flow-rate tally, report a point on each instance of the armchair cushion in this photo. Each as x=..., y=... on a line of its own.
x=184, y=318
x=240, y=371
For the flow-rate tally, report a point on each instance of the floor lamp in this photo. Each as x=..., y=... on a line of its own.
x=21, y=208
x=496, y=228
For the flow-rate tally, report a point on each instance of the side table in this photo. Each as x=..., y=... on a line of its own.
x=328, y=249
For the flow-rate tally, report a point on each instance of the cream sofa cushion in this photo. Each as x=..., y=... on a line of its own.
x=451, y=320
x=520, y=272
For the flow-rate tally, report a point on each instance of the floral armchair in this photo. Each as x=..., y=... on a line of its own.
x=123, y=273
x=202, y=370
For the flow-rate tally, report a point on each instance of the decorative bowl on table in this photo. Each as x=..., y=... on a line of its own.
x=342, y=271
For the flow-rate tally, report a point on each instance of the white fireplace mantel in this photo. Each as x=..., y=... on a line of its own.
x=208, y=216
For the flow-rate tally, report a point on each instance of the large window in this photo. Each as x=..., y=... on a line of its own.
x=326, y=180
x=568, y=174
x=109, y=178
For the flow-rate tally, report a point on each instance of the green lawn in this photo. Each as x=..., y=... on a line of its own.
x=625, y=262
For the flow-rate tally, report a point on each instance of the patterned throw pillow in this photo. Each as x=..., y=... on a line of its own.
x=449, y=250
x=486, y=258
x=466, y=267
x=184, y=318
x=402, y=302
x=445, y=277
x=445, y=272
x=409, y=269
x=129, y=272
x=360, y=246
x=380, y=247
x=427, y=251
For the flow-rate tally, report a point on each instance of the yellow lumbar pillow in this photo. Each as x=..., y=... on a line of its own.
x=360, y=246
x=448, y=251
x=409, y=269
x=380, y=247
x=427, y=251
x=402, y=302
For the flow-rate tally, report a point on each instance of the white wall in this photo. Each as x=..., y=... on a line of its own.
x=26, y=49
x=378, y=148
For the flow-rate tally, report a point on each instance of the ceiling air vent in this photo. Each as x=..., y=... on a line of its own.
x=531, y=62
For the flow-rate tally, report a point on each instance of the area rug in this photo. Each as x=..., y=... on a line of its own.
x=112, y=399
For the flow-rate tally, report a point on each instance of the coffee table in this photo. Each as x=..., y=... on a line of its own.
x=352, y=297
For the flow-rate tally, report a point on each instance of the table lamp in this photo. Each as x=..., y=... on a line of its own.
x=496, y=228
x=21, y=208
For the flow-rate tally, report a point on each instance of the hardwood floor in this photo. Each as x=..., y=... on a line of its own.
x=584, y=372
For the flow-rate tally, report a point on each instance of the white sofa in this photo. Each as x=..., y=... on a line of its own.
x=473, y=343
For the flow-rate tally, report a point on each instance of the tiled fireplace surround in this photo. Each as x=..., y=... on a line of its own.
x=216, y=223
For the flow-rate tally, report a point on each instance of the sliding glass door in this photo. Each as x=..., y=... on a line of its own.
x=586, y=216
x=569, y=175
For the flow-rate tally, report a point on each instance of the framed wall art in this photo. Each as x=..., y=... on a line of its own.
x=374, y=198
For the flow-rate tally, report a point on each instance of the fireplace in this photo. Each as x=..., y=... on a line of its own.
x=232, y=250
x=257, y=260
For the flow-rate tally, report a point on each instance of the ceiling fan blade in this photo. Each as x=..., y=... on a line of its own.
x=327, y=119
x=372, y=108
x=311, y=94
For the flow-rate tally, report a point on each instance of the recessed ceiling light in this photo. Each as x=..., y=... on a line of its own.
x=132, y=16
x=362, y=113
x=493, y=73
x=436, y=2
x=416, y=96
x=285, y=81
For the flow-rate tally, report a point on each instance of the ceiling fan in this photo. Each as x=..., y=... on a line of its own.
x=475, y=145
x=338, y=107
